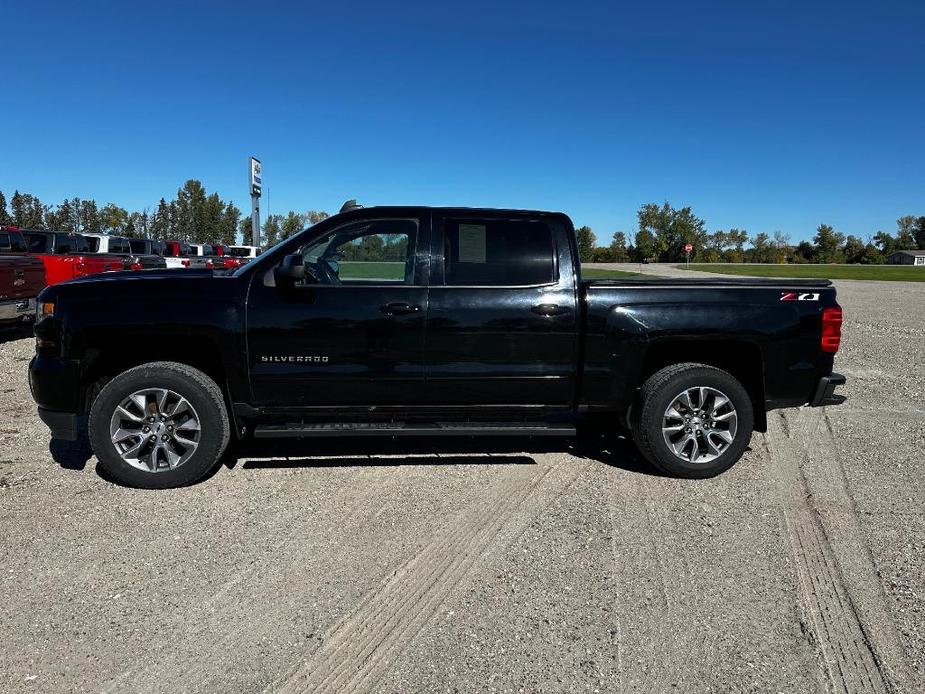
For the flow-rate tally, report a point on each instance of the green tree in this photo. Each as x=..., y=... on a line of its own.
x=646, y=247
x=89, y=217
x=885, y=242
x=761, y=250
x=602, y=254
x=211, y=218
x=27, y=211
x=905, y=233
x=828, y=244
x=586, y=241
x=113, y=219
x=315, y=216
x=190, y=216
x=673, y=229
x=854, y=250
x=871, y=255
x=292, y=223
x=618, y=251
x=246, y=231
x=229, y=225
x=5, y=219
x=272, y=229
x=919, y=232
x=160, y=221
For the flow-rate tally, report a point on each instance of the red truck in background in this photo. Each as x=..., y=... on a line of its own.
x=67, y=256
x=22, y=277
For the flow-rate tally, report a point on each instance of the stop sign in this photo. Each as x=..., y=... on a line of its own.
x=688, y=248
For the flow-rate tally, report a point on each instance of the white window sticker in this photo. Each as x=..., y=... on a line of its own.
x=471, y=243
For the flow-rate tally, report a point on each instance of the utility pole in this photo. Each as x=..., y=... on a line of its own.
x=256, y=184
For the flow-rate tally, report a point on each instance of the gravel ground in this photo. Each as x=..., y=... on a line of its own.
x=484, y=568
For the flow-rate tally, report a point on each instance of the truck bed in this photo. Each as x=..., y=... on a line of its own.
x=706, y=282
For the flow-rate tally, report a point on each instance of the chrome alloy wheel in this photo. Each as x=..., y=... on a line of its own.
x=155, y=429
x=699, y=424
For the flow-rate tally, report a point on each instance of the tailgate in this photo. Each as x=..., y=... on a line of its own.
x=21, y=277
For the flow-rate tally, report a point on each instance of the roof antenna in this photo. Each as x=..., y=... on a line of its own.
x=350, y=205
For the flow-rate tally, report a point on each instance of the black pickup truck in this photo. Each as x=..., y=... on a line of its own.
x=413, y=321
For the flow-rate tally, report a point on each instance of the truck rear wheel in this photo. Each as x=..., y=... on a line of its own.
x=159, y=425
x=693, y=420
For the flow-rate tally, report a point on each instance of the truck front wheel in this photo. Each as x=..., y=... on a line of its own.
x=159, y=425
x=693, y=420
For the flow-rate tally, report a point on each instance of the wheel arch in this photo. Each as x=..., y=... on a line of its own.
x=105, y=359
x=739, y=358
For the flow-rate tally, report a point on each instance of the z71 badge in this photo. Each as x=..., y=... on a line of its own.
x=293, y=359
x=797, y=296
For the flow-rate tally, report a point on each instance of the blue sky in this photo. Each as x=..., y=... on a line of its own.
x=762, y=116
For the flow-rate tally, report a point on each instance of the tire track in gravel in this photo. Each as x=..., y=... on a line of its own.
x=359, y=648
x=645, y=531
x=850, y=655
x=218, y=614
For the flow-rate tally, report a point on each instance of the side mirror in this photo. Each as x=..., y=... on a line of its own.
x=291, y=270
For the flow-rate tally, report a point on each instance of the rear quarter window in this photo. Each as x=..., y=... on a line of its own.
x=498, y=253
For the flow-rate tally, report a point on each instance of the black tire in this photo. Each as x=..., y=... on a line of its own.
x=201, y=392
x=657, y=394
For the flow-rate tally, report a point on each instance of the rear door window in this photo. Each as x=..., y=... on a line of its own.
x=498, y=253
x=37, y=243
x=65, y=244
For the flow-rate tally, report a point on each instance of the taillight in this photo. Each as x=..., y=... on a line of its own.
x=135, y=266
x=184, y=263
x=831, y=329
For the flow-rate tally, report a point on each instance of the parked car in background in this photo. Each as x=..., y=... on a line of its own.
x=223, y=261
x=147, y=247
x=67, y=256
x=22, y=277
x=183, y=254
x=121, y=247
x=243, y=252
x=177, y=253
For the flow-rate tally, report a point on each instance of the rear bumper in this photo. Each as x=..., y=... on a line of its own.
x=825, y=391
x=63, y=425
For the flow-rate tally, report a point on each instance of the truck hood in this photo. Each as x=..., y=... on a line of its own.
x=144, y=275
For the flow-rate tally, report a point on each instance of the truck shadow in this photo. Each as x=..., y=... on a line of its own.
x=612, y=451
x=17, y=331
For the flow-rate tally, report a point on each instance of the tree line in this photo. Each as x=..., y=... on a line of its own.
x=194, y=215
x=663, y=231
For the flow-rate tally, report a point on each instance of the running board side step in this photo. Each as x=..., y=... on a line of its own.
x=301, y=430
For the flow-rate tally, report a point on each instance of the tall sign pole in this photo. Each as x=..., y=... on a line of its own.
x=256, y=183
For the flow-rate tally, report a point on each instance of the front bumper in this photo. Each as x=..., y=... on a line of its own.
x=63, y=425
x=55, y=383
x=825, y=391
